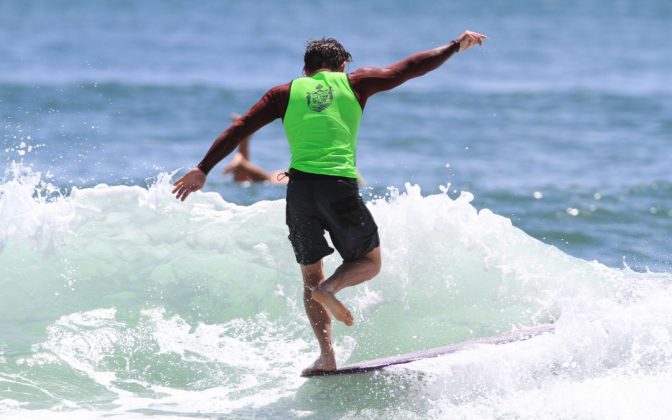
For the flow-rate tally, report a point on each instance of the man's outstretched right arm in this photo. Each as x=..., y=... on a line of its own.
x=370, y=80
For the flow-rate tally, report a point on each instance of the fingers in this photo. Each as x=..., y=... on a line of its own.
x=178, y=184
x=182, y=193
x=474, y=35
x=182, y=189
x=469, y=39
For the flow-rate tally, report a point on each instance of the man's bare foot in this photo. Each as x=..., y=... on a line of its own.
x=333, y=305
x=326, y=362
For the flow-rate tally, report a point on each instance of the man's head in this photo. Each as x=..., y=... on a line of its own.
x=325, y=53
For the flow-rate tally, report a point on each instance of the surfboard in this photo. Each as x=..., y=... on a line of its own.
x=371, y=365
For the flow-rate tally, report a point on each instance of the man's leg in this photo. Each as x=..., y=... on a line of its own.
x=319, y=318
x=348, y=274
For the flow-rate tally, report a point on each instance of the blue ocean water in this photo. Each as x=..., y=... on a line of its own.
x=520, y=183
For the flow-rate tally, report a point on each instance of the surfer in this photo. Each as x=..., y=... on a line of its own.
x=321, y=114
x=244, y=170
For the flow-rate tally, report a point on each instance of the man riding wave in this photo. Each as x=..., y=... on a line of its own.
x=321, y=113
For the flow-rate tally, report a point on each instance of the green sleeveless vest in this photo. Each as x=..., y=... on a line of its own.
x=321, y=123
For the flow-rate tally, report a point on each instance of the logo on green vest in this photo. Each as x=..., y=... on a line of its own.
x=320, y=99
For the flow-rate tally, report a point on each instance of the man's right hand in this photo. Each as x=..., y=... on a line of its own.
x=468, y=39
x=192, y=181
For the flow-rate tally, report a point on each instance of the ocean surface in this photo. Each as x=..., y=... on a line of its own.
x=522, y=183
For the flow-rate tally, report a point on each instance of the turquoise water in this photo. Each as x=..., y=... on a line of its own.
x=523, y=182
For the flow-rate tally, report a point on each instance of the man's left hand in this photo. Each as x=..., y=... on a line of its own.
x=468, y=39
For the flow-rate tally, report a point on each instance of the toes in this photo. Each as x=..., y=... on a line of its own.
x=349, y=320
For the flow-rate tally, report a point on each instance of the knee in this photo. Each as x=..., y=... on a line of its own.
x=312, y=276
x=308, y=291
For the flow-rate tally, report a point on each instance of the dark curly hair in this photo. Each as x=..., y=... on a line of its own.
x=324, y=53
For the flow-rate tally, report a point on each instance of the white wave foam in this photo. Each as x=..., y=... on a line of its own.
x=154, y=304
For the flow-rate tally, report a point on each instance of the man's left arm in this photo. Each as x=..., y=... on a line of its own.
x=368, y=81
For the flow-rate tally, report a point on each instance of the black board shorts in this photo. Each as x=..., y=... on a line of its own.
x=316, y=203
